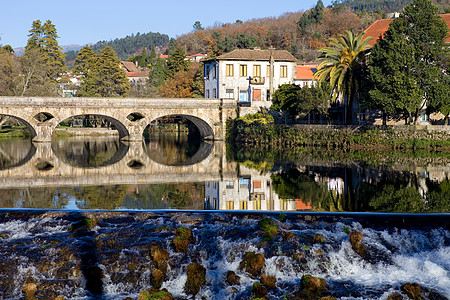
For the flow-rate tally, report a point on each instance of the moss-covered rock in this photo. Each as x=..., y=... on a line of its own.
x=395, y=296
x=312, y=286
x=160, y=257
x=269, y=281
x=157, y=278
x=232, y=278
x=252, y=263
x=183, y=237
x=155, y=294
x=412, y=290
x=318, y=238
x=29, y=290
x=356, y=238
x=196, y=274
x=269, y=228
x=259, y=290
x=83, y=225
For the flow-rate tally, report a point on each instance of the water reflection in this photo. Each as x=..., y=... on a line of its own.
x=89, y=152
x=14, y=154
x=175, y=149
x=98, y=174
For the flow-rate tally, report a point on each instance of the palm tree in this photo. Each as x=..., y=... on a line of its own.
x=341, y=67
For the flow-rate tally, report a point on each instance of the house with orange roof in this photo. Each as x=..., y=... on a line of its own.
x=379, y=27
x=135, y=74
x=196, y=57
x=305, y=75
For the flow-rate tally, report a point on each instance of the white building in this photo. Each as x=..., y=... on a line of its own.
x=248, y=75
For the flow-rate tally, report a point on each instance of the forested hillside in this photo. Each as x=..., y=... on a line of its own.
x=386, y=6
x=301, y=33
x=127, y=46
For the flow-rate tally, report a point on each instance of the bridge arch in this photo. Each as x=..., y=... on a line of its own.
x=121, y=128
x=205, y=129
x=27, y=124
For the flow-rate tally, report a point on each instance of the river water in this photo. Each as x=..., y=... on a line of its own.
x=139, y=193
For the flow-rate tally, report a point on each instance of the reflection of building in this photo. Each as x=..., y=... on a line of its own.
x=250, y=191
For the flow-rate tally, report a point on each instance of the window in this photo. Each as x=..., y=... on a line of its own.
x=256, y=71
x=229, y=185
x=243, y=70
x=230, y=205
x=244, y=205
x=214, y=72
x=214, y=93
x=229, y=93
x=207, y=94
x=283, y=72
x=243, y=96
x=268, y=71
x=230, y=70
x=207, y=73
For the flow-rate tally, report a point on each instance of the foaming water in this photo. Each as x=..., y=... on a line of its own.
x=44, y=249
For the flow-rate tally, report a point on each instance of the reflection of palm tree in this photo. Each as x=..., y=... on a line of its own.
x=341, y=66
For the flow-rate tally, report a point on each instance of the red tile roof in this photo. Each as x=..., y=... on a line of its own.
x=379, y=27
x=306, y=72
x=130, y=66
x=256, y=54
x=137, y=74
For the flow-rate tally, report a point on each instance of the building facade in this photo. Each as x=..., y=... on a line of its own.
x=248, y=75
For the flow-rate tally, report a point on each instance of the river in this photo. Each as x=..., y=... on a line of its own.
x=139, y=193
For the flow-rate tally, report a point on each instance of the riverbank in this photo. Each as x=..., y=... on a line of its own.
x=343, y=137
x=222, y=255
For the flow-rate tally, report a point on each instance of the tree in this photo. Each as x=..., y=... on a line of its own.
x=84, y=61
x=407, y=68
x=106, y=78
x=177, y=62
x=285, y=98
x=158, y=71
x=315, y=98
x=9, y=73
x=197, y=26
x=34, y=75
x=178, y=86
x=341, y=66
x=314, y=16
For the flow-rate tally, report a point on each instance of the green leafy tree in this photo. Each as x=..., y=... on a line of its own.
x=315, y=98
x=341, y=66
x=406, y=68
x=285, y=98
x=34, y=75
x=9, y=73
x=106, y=78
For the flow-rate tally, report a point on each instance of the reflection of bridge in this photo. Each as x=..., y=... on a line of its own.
x=43, y=168
x=129, y=115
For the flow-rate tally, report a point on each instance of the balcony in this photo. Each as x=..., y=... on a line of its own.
x=257, y=80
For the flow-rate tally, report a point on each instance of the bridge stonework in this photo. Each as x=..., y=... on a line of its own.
x=129, y=115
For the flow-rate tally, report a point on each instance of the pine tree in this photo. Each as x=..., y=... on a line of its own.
x=143, y=59
x=53, y=52
x=85, y=61
x=44, y=37
x=177, y=62
x=106, y=78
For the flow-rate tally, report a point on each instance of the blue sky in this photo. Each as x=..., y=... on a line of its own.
x=89, y=21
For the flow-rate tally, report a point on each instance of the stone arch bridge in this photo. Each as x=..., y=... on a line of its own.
x=129, y=115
